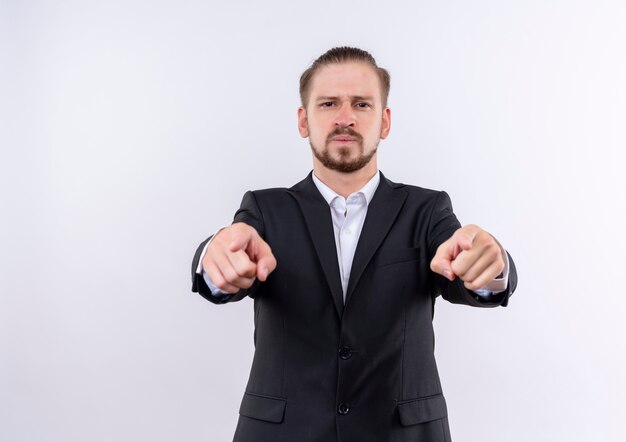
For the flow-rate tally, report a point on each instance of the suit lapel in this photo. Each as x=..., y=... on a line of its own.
x=381, y=214
x=319, y=222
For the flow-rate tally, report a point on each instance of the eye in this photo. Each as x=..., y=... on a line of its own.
x=327, y=104
x=362, y=105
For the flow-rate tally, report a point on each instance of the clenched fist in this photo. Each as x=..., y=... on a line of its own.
x=237, y=256
x=472, y=254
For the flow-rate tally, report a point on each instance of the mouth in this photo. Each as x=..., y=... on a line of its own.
x=344, y=136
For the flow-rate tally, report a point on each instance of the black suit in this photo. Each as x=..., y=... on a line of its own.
x=364, y=371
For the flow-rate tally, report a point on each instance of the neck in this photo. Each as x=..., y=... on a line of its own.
x=342, y=183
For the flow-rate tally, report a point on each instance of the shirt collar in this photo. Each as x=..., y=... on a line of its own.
x=367, y=191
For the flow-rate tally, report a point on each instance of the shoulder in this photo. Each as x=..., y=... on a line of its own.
x=413, y=191
x=283, y=191
x=421, y=199
x=271, y=197
x=302, y=189
x=272, y=192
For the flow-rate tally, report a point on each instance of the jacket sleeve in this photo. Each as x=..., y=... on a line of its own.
x=248, y=213
x=443, y=223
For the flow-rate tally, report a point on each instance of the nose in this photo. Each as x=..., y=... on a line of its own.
x=345, y=116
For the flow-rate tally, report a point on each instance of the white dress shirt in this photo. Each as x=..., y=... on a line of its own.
x=348, y=215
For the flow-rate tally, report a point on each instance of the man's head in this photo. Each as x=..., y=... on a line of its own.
x=344, y=54
x=344, y=109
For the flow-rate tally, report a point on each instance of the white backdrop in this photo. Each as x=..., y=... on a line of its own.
x=129, y=131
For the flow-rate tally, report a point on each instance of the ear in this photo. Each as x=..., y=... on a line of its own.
x=386, y=126
x=303, y=122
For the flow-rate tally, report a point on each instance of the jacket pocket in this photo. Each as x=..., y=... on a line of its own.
x=392, y=256
x=265, y=408
x=421, y=410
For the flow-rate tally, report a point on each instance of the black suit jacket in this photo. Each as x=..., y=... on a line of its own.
x=354, y=372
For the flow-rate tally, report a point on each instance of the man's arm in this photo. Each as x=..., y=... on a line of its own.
x=456, y=292
x=466, y=259
x=199, y=283
x=234, y=259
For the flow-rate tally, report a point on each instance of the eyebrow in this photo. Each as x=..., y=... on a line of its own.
x=352, y=97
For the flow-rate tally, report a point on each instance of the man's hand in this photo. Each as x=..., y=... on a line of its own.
x=237, y=256
x=472, y=254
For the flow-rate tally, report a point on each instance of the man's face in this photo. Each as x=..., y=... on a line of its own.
x=344, y=118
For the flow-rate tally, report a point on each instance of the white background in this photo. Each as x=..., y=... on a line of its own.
x=129, y=131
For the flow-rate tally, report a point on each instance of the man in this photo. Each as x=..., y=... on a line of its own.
x=344, y=269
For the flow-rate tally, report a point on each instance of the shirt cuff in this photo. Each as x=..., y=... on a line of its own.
x=497, y=285
x=219, y=294
x=214, y=290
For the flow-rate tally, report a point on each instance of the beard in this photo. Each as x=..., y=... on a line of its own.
x=344, y=164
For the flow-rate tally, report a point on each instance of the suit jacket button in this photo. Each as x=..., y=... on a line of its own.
x=343, y=408
x=345, y=353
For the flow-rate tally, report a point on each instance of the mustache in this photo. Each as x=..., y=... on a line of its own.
x=344, y=131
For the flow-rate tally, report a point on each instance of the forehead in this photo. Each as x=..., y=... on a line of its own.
x=351, y=78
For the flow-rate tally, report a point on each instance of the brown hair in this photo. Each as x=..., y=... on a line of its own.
x=339, y=55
